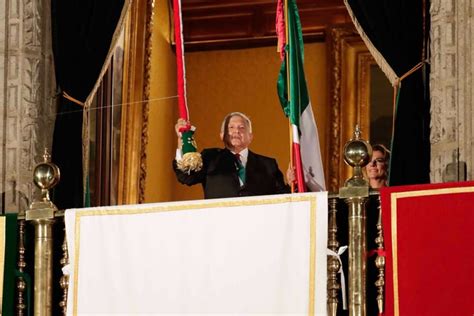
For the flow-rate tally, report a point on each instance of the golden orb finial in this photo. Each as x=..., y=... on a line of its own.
x=46, y=175
x=357, y=153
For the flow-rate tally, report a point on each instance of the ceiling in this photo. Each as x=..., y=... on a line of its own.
x=231, y=24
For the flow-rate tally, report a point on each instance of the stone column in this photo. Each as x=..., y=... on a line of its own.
x=27, y=109
x=452, y=40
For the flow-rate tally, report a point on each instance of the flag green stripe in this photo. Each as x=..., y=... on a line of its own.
x=298, y=99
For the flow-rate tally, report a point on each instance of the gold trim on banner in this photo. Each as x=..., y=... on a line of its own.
x=312, y=255
x=103, y=211
x=394, y=252
x=393, y=203
x=76, y=261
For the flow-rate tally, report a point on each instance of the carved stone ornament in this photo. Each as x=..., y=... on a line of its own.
x=28, y=102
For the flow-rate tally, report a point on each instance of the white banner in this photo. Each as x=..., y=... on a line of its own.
x=242, y=256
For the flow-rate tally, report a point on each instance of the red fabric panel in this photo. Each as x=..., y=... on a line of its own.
x=433, y=263
x=299, y=167
x=180, y=70
x=280, y=29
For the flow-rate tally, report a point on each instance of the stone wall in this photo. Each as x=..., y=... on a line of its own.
x=451, y=90
x=27, y=96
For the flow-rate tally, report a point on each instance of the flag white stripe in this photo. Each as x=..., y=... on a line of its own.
x=311, y=152
x=295, y=134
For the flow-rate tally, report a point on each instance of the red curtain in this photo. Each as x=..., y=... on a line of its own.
x=429, y=249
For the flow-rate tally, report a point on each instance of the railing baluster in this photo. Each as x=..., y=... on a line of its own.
x=380, y=262
x=334, y=265
x=64, y=281
x=20, y=283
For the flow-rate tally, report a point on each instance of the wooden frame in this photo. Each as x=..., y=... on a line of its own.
x=136, y=85
x=100, y=177
x=349, y=84
x=104, y=133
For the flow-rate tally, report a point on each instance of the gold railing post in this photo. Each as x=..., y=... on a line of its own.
x=355, y=193
x=41, y=215
x=334, y=265
x=357, y=256
x=64, y=281
x=380, y=262
x=21, y=283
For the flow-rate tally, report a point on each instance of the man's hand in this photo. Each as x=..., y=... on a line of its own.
x=181, y=124
x=290, y=175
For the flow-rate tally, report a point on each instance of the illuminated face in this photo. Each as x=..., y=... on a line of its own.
x=377, y=167
x=238, y=135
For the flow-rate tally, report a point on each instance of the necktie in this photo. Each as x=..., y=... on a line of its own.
x=240, y=168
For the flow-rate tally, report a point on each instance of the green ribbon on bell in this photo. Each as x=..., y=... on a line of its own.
x=189, y=144
x=192, y=160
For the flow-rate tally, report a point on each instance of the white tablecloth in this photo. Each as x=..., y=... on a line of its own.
x=242, y=256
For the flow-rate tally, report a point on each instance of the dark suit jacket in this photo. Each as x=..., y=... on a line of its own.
x=220, y=179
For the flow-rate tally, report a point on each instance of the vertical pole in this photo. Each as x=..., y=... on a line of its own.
x=355, y=193
x=41, y=214
x=357, y=256
x=43, y=266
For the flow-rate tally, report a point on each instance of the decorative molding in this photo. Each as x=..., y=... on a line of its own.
x=335, y=105
x=349, y=88
x=146, y=95
x=365, y=61
x=334, y=45
x=32, y=21
x=136, y=83
x=451, y=94
x=28, y=111
x=251, y=23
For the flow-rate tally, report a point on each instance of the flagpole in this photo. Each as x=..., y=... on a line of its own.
x=290, y=129
x=292, y=165
x=295, y=102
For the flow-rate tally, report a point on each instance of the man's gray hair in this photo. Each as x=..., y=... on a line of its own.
x=227, y=118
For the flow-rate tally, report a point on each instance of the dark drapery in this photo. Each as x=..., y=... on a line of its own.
x=398, y=29
x=82, y=31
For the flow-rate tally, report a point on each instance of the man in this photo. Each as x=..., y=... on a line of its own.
x=226, y=174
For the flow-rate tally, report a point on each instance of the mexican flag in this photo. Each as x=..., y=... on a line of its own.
x=294, y=98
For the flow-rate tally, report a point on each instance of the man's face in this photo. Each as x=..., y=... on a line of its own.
x=238, y=135
x=377, y=168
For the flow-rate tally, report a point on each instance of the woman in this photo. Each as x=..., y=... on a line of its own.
x=377, y=168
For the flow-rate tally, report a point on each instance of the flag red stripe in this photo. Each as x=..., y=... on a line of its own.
x=178, y=35
x=299, y=168
x=280, y=29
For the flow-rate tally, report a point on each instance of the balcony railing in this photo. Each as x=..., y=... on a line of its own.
x=354, y=221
